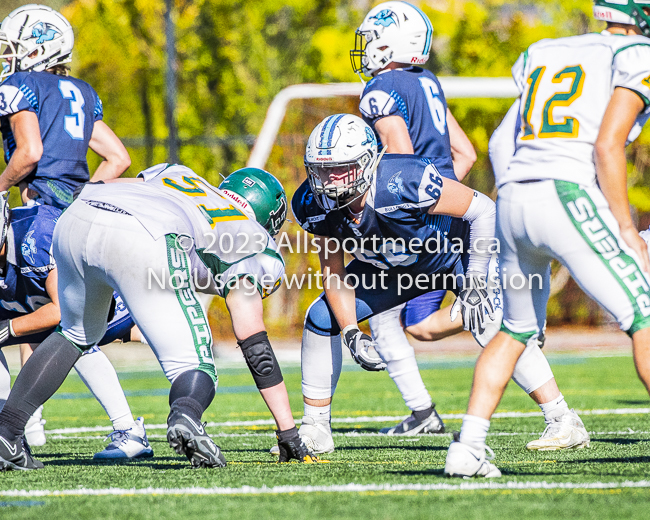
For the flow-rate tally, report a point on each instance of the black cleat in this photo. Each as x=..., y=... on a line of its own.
x=188, y=438
x=412, y=426
x=17, y=455
x=293, y=448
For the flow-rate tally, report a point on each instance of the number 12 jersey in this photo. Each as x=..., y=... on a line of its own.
x=566, y=85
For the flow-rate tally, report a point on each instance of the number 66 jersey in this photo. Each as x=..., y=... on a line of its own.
x=566, y=85
x=67, y=109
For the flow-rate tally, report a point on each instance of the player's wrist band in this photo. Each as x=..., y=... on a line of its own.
x=11, y=329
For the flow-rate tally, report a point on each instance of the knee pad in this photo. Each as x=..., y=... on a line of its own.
x=195, y=384
x=320, y=319
x=261, y=360
x=532, y=369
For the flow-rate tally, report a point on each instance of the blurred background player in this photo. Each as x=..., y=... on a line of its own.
x=173, y=239
x=564, y=196
x=348, y=197
x=29, y=313
x=392, y=38
x=48, y=118
x=48, y=121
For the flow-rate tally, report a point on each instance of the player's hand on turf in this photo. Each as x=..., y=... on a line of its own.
x=639, y=246
x=291, y=447
x=473, y=304
x=360, y=345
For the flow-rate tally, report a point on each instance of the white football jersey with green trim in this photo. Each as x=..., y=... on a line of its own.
x=565, y=86
x=224, y=244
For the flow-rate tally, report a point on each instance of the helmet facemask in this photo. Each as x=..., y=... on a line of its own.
x=359, y=56
x=342, y=183
x=8, y=57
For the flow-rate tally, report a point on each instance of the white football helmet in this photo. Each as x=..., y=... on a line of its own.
x=341, y=159
x=629, y=12
x=391, y=32
x=34, y=37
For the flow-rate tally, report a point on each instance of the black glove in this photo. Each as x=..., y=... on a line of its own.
x=5, y=331
x=292, y=447
x=359, y=345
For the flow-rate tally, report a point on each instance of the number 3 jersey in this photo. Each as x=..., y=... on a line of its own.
x=224, y=244
x=415, y=95
x=566, y=85
x=394, y=230
x=67, y=109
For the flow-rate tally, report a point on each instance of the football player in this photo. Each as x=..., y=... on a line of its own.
x=354, y=197
x=29, y=312
x=392, y=38
x=157, y=241
x=563, y=195
x=49, y=119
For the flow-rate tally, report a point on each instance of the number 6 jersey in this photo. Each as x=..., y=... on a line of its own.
x=565, y=86
x=67, y=109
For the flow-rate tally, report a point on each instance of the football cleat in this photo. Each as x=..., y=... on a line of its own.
x=565, y=433
x=34, y=431
x=465, y=461
x=127, y=444
x=317, y=436
x=17, y=455
x=294, y=448
x=411, y=426
x=189, y=438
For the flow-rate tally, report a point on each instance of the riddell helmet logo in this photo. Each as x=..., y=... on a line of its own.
x=323, y=158
x=602, y=14
x=418, y=60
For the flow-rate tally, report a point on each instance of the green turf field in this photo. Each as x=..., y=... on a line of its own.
x=368, y=476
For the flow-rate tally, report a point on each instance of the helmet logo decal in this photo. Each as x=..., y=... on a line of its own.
x=28, y=247
x=385, y=18
x=276, y=218
x=370, y=137
x=248, y=182
x=43, y=32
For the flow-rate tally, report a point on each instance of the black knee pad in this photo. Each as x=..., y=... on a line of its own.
x=261, y=360
x=194, y=384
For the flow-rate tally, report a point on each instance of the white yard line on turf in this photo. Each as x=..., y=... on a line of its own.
x=364, y=419
x=629, y=431
x=344, y=488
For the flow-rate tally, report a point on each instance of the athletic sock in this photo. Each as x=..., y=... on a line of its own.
x=319, y=413
x=474, y=431
x=554, y=409
x=188, y=406
x=421, y=415
x=99, y=375
x=12, y=422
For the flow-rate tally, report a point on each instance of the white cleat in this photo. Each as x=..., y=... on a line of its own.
x=317, y=436
x=466, y=461
x=566, y=433
x=127, y=444
x=34, y=431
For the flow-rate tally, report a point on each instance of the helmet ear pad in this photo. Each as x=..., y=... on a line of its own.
x=259, y=194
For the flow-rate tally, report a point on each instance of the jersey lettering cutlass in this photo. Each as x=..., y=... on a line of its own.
x=415, y=95
x=403, y=189
x=224, y=244
x=565, y=86
x=67, y=109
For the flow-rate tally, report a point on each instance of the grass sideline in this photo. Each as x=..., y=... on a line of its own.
x=394, y=476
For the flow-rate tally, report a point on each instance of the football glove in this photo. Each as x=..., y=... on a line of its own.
x=473, y=304
x=5, y=331
x=359, y=345
x=291, y=447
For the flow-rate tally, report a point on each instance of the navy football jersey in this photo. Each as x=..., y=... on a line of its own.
x=403, y=189
x=29, y=260
x=67, y=109
x=415, y=95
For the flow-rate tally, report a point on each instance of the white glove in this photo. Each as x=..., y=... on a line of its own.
x=360, y=345
x=473, y=303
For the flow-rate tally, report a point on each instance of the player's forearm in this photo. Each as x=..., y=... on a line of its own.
x=611, y=166
x=277, y=400
x=462, y=151
x=21, y=164
x=110, y=169
x=44, y=318
x=341, y=297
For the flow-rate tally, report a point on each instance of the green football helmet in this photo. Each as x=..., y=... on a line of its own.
x=262, y=193
x=629, y=12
